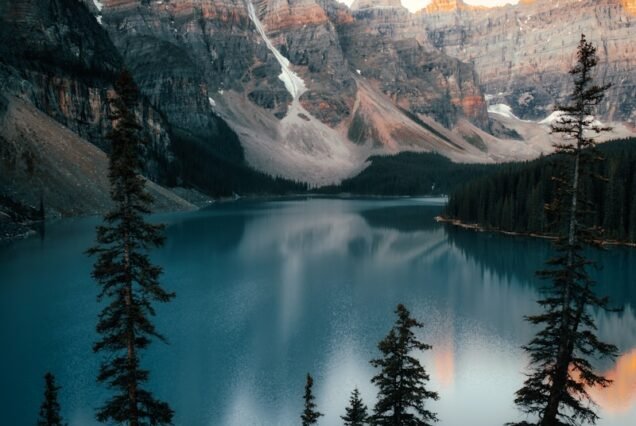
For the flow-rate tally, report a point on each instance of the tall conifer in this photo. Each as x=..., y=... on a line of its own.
x=50, y=409
x=556, y=389
x=402, y=379
x=129, y=281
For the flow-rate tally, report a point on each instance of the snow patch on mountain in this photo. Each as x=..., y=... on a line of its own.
x=502, y=109
x=552, y=117
x=557, y=115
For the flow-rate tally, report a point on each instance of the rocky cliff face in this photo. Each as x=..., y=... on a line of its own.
x=57, y=68
x=386, y=45
x=522, y=53
x=56, y=56
x=303, y=33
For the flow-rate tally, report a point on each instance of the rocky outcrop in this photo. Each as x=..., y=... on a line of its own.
x=304, y=33
x=522, y=53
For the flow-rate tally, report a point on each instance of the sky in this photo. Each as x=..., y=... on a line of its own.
x=414, y=5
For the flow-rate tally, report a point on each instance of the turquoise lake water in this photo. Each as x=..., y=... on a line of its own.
x=270, y=290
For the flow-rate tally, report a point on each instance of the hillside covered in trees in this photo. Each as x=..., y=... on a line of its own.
x=513, y=197
x=409, y=173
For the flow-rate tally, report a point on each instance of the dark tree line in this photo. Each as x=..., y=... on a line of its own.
x=409, y=173
x=513, y=198
x=221, y=174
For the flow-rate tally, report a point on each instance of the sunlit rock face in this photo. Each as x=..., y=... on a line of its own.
x=522, y=53
x=436, y=6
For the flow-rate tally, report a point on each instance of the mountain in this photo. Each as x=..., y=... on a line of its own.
x=522, y=53
x=238, y=94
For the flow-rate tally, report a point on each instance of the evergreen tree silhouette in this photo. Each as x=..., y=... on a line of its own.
x=556, y=389
x=129, y=281
x=50, y=408
x=356, y=412
x=402, y=379
x=310, y=414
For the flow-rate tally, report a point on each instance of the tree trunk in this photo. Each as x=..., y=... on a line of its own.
x=562, y=365
x=130, y=338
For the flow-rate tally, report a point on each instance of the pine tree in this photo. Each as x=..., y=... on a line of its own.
x=402, y=378
x=129, y=281
x=310, y=415
x=555, y=390
x=50, y=409
x=356, y=412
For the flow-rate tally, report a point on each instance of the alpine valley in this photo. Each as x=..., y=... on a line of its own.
x=267, y=96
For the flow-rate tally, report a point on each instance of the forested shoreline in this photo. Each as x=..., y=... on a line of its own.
x=513, y=198
x=409, y=174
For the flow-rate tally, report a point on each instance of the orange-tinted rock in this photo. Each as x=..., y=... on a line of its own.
x=472, y=106
x=290, y=14
x=630, y=6
x=441, y=6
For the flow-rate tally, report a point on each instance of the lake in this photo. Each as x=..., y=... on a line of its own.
x=270, y=290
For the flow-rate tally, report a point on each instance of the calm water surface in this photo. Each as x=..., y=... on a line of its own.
x=268, y=291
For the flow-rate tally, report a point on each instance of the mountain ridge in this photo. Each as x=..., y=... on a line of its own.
x=309, y=89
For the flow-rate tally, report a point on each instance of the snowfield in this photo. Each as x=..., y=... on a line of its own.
x=502, y=109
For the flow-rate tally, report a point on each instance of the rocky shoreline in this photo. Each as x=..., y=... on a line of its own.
x=478, y=228
x=11, y=230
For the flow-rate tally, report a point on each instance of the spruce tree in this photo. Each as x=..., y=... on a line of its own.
x=356, y=412
x=310, y=415
x=402, y=379
x=50, y=409
x=555, y=391
x=129, y=281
